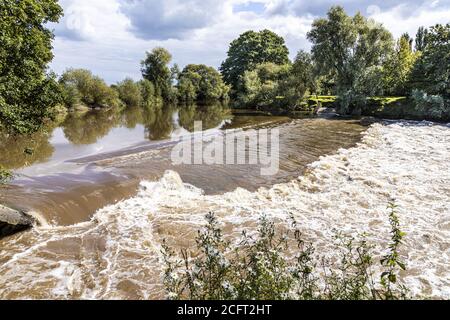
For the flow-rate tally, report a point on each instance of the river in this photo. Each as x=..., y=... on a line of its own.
x=106, y=201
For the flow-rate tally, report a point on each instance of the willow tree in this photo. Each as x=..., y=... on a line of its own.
x=27, y=93
x=353, y=50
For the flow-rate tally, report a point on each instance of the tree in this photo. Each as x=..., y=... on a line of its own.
x=249, y=50
x=147, y=93
x=430, y=78
x=155, y=69
x=129, y=92
x=27, y=93
x=421, y=39
x=352, y=49
x=301, y=79
x=265, y=86
x=398, y=67
x=432, y=71
x=89, y=89
x=201, y=83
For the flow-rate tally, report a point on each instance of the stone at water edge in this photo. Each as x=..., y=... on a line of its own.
x=13, y=221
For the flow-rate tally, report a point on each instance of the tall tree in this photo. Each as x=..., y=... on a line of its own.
x=398, y=67
x=432, y=71
x=251, y=49
x=202, y=83
x=129, y=92
x=27, y=93
x=352, y=49
x=155, y=69
x=421, y=39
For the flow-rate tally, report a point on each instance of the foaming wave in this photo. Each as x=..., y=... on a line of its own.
x=117, y=254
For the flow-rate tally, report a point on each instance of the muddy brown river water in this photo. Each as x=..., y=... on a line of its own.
x=107, y=194
x=99, y=158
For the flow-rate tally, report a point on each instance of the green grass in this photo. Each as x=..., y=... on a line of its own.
x=386, y=100
x=322, y=99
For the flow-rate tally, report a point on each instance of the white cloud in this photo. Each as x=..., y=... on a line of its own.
x=91, y=20
x=396, y=22
x=110, y=37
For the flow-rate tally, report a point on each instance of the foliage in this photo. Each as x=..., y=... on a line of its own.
x=264, y=267
x=25, y=106
x=155, y=69
x=431, y=105
x=431, y=73
x=129, y=92
x=352, y=50
x=81, y=86
x=391, y=261
x=198, y=82
x=421, y=39
x=398, y=67
x=148, y=93
x=265, y=86
x=27, y=94
x=251, y=49
x=302, y=75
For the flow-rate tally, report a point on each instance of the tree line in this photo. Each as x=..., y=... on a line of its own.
x=353, y=59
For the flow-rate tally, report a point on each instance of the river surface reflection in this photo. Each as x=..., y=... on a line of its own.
x=97, y=158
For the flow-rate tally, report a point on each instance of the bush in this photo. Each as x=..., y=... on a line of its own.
x=198, y=82
x=81, y=85
x=263, y=267
x=434, y=106
x=25, y=105
x=265, y=86
x=129, y=92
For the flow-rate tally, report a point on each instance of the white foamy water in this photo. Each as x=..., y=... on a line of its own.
x=116, y=255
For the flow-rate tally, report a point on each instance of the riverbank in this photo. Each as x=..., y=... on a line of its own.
x=117, y=253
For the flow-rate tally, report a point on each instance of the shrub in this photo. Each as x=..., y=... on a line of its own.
x=263, y=267
x=432, y=105
x=25, y=105
x=265, y=86
x=198, y=82
x=129, y=92
x=82, y=86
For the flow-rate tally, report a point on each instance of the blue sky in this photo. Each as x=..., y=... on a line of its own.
x=110, y=37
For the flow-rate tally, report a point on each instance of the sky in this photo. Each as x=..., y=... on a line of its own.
x=110, y=37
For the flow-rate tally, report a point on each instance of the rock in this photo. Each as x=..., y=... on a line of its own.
x=13, y=221
x=326, y=111
x=368, y=121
